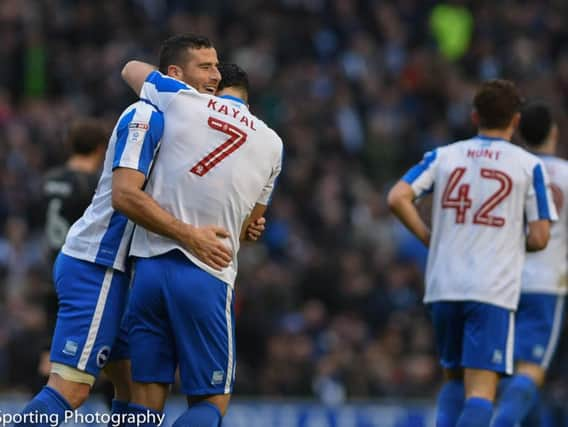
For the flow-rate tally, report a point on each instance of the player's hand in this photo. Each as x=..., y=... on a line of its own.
x=255, y=229
x=205, y=243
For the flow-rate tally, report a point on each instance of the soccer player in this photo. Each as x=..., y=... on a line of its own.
x=91, y=274
x=541, y=308
x=218, y=165
x=68, y=190
x=483, y=189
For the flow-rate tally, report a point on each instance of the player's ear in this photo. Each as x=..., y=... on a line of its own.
x=475, y=118
x=175, y=72
x=516, y=120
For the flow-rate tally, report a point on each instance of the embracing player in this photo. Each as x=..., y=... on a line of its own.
x=540, y=313
x=91, y=274
x=483, y=190
x=218, y=165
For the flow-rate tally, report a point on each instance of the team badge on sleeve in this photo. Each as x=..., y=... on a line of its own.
x=138, y=125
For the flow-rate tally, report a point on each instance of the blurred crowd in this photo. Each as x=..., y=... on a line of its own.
x=329, y=304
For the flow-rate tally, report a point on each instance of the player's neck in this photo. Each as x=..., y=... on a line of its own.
x=547, y=149
x=505, y=134
x=88, y=164
x=231, y=92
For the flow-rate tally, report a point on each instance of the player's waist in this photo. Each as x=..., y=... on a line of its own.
x=144, y=250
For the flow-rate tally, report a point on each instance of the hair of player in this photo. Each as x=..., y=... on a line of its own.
x=174, y=50
x=496, y=102
x=233, y=76
x=536, y=123
x=86, y=135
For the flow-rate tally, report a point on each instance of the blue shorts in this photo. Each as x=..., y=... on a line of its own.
x=475, y=335
x=539, y=323
x=92, y=299
x=180, y=314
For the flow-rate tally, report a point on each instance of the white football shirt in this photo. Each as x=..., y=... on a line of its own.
x=546, y=271
x=483, y=190
x=218, y=162
x=102, y=235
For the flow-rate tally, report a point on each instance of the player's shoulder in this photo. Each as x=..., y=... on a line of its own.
x=144, y=106
x=57, y=172
x=141, y=114
x=272, y=136
x=557, y=164
x=60, y=181
x=448, y=149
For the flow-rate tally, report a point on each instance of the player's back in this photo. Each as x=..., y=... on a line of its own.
x=546, y=271
x=102, y=235
x=66, y=194
x=484, y=189
x=214, y=167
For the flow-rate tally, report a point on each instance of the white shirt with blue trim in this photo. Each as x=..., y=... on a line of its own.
x=546, y=271
x=483, y=191
x=102, y=235
x=218, y=160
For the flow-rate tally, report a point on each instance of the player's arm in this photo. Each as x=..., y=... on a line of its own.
x=138, y=136
x=418, y=181
x=151, y=85
x=539, y=209
x=129, y=198
x=538, y=235
x=135, y=73
x=401, y=203
x=254, y=225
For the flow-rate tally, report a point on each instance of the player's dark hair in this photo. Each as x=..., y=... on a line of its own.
x=233, y=76
x=175, y=49
x=86, y=135
x=536, y=123
x=496, y=102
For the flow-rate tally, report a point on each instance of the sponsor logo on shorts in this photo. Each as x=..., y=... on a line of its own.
x=538, y=351
x=217, y=377
x=70, y=348
x=102, y=356
x=497, y=357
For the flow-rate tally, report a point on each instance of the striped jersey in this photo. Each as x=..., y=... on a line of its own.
x=483, y=191
x=102, y=235
x=546, y=271
x=218, y=161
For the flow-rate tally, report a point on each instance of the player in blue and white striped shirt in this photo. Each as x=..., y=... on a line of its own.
x=540, y=314
x=484, y=189
x=91, y=275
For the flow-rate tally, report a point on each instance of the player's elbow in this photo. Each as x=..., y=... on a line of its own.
x=120, y=198
x=396, y=197
x=126, y=72
x=539, y=234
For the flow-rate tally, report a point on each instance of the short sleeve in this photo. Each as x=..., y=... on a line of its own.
x=539, y=203
x=268, y=189
x=421, y=176
x=159, y=89
x=138, y=138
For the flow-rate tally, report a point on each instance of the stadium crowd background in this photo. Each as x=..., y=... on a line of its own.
x=329, y=304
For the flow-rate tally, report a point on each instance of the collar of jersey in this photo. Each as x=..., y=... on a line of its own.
x=233, y=98
x=489, y=138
